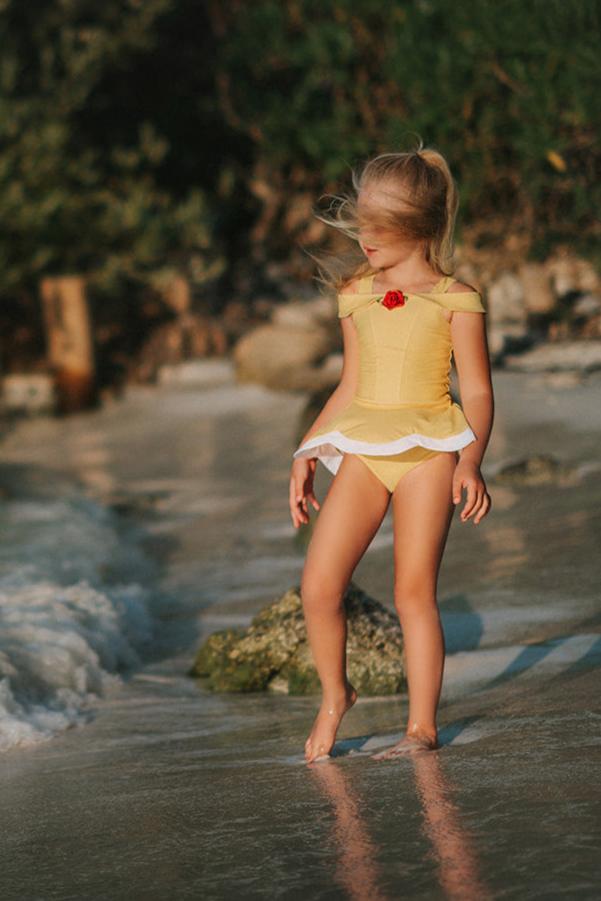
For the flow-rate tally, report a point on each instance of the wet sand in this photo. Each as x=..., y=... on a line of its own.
x=168, y=790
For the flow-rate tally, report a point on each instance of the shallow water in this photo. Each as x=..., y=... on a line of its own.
x=161, y=788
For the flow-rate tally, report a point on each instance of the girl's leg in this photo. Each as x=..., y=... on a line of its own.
x=349, y=517
x=423, y=510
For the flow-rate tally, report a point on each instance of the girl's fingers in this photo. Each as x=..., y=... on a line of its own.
x=476, y=507
x=485, y=507
x=479, y=507
x=296, y=498
x=291, y=502
x=313, y=500
x=478, y=514
x=474, y=497
x=470, y=501
x=302, y=502
x=457, y=488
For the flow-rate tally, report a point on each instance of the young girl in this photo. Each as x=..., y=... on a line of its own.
x=390, y=431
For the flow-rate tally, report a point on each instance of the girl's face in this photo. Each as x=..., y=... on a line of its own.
x=382, y=248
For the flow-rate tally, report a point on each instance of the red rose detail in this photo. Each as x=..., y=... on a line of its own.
x=393, y=299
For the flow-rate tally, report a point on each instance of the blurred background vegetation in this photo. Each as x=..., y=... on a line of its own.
x=145, y=139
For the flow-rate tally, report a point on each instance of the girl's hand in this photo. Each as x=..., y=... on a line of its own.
x=301, y=490
x=467, y=475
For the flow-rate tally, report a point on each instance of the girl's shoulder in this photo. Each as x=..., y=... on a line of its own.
x=353, y=295
x=353, y=286
x=461, y=287
x=460, y=297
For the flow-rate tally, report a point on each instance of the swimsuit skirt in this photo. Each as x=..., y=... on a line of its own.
x=402, y=398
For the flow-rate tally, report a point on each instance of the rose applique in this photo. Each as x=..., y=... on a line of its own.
x=393, y=299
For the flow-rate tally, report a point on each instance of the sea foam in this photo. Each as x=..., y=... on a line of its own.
x=69, y=628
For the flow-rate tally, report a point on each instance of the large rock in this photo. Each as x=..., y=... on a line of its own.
x=508, y=318
x=506, y=300
x=571, y=274
x=273, y=654
x=538, y=290
x=583, y=356
x=538, y=469
x=283, y=357
x=586, y=314
x=304, y=314
x=28, y=393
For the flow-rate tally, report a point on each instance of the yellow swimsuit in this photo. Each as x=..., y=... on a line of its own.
x=402, y=412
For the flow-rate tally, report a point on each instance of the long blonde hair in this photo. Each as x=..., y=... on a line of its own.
x=425, y=210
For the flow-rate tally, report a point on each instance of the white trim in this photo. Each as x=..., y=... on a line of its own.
x=331, y=442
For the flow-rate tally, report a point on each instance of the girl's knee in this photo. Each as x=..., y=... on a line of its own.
x=414, y=602
x=319, y=592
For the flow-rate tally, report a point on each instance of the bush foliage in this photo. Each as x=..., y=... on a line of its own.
x=139, y=136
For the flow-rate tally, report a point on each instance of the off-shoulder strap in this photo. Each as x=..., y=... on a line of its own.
x=365, y=283
x=348, y=303
x=444, y=284
x=462, y=301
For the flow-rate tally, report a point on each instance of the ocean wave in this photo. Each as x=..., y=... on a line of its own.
x=69, y=629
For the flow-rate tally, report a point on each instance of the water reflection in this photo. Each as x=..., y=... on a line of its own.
x=452, y=843
x=357, y=869
x=453, y=849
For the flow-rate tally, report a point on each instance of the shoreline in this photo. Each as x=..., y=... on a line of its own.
x=170, y=783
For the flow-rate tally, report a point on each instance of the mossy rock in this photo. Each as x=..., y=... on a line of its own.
x=274, y=654
x=537, y=469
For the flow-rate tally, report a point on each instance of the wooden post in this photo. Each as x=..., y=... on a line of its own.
x=69, y=341
x=177, y=295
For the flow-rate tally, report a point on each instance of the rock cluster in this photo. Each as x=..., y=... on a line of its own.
x=540, y=317
x=537, y=309
x=273, y=653
x=289, y=352
x=558, y=356
x=540, y=469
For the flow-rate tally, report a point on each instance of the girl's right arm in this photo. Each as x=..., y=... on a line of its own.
x=303, y=469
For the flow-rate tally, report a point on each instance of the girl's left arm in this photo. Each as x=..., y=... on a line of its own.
x=472, y=361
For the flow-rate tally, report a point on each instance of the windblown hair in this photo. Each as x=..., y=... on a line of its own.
x=422, y=207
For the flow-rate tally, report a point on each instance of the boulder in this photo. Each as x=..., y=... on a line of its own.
x=282, y=357
x=29, y=393
x=506, y=301
x=538, y=290
x=506, y=337
x=538, y=469
x=583, y=356
x=188, y=337
x=507, y=327
x=304, y=314
x=273, y=653
x=586, y=306
x=592, y=327
x=571, y=274
x=202, y=373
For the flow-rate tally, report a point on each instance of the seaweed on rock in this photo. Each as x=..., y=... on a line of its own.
x=273, y=653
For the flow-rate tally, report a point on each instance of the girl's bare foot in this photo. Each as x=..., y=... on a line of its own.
x=413, y=741
x=323, y=734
